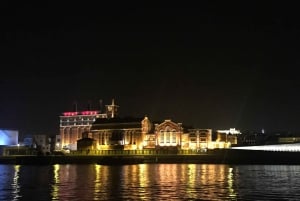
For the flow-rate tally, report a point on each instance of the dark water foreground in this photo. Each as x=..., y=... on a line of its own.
x=228, y=156
x=149, y=182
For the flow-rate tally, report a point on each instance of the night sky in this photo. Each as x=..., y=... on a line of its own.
x=212, y=65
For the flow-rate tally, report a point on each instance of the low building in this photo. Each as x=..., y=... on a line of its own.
x=9, y=137
x=86, y=144
x=228, y=137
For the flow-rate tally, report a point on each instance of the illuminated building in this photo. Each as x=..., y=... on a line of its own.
x=229, y=137
x=9, y=137
x=74, y=123
x=108, y=131
x=200, y=139
x=141, y=133
x=117, y=133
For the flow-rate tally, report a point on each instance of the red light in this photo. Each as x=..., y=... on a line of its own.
x=88, y=112
x=82, y=113
x=70, y=113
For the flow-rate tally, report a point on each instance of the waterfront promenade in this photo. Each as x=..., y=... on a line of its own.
x=225, y=156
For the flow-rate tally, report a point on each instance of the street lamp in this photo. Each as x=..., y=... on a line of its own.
x=18, y=148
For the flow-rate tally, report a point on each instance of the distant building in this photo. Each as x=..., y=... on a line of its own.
x=41, y=143
x=9, y=137
x=230, y=137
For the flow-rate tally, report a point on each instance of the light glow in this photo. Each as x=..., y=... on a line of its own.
x=87, y=112
x=70, y=113
x=8, y=137
x=277, y=147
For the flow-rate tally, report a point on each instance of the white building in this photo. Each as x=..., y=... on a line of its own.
x=9, y=137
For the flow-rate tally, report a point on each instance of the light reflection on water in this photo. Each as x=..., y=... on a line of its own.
x=15, y=185
x=150, y=182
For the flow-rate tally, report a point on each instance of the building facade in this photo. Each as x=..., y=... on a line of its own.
x=141, y=133
x=74, y=123
x=111, y=132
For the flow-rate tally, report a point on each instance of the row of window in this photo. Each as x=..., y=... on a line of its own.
x=74, y=123
x=82, y=119
x=167, y=137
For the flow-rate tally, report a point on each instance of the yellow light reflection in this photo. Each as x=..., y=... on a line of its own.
x=100, y=183
x=230, y=180
x=55, y=188
x=217, y=176
x=191, y=180
x=143, y=178
x=167, y=177
x=15, y=185
x=97, y=181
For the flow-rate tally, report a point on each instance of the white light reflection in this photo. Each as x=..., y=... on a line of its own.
x=279, y=147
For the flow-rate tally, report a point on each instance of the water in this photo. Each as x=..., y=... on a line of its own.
x=150, y=182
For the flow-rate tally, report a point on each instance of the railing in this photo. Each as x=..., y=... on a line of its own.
x=137, y=152
x=25, y=151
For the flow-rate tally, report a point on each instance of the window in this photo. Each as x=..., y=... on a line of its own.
x=161, y=136
x=167, y=137
x=173, y=137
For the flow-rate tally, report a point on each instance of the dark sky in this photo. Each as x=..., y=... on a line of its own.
x=211, y=65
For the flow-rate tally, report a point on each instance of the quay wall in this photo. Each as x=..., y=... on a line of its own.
x=225, y=156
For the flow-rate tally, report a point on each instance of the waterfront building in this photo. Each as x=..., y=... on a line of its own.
x=228, y=137
x=108, y=131
x=42, y=143
x=200, y=139
x=74, y=123
x=141, y=133
x=9, y=137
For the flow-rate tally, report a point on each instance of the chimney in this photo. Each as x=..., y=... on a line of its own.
x=100, y=105
x=74, y=106
x=89, y=106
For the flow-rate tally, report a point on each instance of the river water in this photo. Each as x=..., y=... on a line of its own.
x=150, y=182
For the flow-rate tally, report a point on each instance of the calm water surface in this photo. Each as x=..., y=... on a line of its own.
x=150, y=182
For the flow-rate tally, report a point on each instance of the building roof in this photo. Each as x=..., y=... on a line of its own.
x=117, y=123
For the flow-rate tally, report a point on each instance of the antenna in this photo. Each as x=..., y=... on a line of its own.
x=100, y=105
x=75, y=106
x=89, y=106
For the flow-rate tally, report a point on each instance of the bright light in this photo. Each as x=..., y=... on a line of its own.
x=70, y=113
x=278, y=147
x=230, y=131
x=8, y=137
